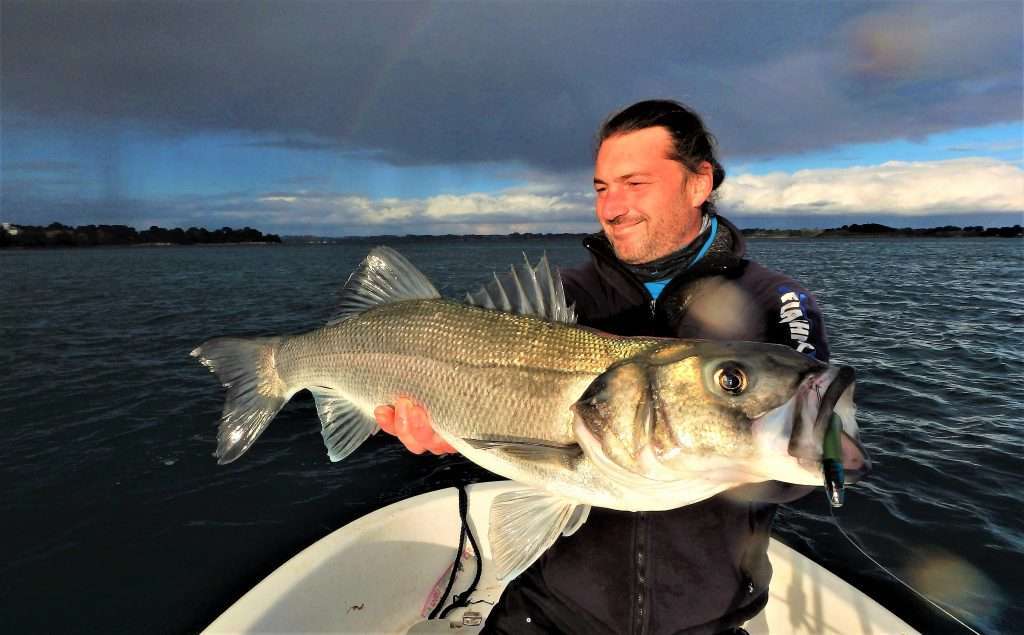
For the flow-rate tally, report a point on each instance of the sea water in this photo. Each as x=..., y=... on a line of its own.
x=115, y=517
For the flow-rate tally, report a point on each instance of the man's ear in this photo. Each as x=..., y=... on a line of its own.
x=700, y=183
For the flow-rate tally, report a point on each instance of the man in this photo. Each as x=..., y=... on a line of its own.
x=665, y=265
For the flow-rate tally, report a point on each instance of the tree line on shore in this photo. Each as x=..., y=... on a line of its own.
x=862, y=230
x=59, y=235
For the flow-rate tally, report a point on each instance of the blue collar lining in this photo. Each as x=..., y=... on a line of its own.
x=657, y=286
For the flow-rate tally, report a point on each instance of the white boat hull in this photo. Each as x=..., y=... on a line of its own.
x=382, y=573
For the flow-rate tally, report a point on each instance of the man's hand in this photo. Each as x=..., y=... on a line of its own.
x=411, y=424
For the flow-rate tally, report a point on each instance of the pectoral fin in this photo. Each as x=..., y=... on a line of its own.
x=530, y=450
x=579, y=516
x=524, y=523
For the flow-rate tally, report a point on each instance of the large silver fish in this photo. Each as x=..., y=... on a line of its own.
x=579, y=417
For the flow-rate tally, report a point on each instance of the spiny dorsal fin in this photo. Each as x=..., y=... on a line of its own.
x=384, y=276
x=526, y=290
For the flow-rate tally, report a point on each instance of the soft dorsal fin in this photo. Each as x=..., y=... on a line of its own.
x=526, y=290
x=384, y=276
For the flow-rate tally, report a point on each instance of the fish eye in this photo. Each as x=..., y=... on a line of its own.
x=731, y=379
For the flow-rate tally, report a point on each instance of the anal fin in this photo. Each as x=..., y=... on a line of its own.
x=524, y=523
x=344, y=426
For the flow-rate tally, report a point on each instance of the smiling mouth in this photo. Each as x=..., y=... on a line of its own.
x=623, y=224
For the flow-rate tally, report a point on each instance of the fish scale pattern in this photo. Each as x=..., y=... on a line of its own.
x=457, y=360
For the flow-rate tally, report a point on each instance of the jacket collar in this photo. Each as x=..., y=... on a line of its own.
x=725, y=254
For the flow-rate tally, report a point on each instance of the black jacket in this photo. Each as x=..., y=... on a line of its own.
x=700, y=569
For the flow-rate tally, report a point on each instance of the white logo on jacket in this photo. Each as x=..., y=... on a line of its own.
x=792, y=313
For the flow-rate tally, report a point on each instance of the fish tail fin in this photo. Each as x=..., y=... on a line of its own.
x=256, y=393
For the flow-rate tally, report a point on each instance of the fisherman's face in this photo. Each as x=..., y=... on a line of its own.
x=647, y=204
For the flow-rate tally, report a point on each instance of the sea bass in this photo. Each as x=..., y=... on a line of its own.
x=577, y=416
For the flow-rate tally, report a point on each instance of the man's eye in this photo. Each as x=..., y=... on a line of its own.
x=636, y=184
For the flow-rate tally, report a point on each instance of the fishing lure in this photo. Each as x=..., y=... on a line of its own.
x=832, y=462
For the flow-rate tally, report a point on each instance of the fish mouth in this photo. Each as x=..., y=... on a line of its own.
x=821, y=396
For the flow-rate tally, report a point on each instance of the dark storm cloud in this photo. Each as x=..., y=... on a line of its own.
x=38, y=205
x=296, y=144
x=454, y=82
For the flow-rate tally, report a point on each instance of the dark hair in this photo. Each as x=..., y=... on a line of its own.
x=691, y=141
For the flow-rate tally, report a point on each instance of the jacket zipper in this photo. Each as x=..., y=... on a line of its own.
x=615, y=264
x=642, y=610
x=640, y=617
x=652, y=302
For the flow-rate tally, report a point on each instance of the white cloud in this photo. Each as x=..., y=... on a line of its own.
x=327, y=208
x=530, y=208
x=965, y=186
x=962, y=187
x=477, y=206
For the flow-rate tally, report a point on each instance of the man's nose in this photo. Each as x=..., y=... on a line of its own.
x=613, y=204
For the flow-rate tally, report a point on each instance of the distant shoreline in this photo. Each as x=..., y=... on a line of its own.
x=846, y=231
x=57, y=235
x=875, y=230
